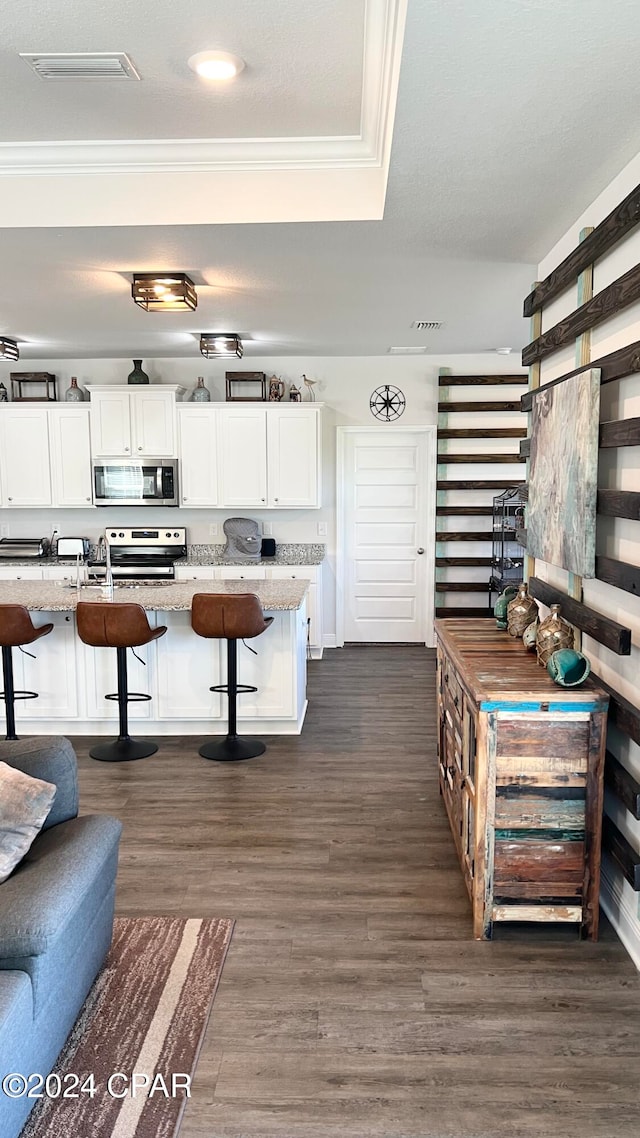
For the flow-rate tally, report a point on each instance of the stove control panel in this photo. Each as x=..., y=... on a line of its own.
x=146, y=537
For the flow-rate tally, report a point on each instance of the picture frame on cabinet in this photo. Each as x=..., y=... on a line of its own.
x=246, y=387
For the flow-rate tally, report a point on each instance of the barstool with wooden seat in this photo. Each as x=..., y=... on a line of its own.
x=16, y=630
x=119, y=626
x=231, y=617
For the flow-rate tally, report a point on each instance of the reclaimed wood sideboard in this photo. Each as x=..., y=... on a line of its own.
x=521, y=765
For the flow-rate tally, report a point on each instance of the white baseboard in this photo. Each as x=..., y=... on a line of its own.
x=329, y=640
x=622, y=916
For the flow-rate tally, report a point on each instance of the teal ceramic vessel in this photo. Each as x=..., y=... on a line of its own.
x=568, y=668
x=500, y=607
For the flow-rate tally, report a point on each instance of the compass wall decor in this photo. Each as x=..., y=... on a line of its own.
x=387, y=403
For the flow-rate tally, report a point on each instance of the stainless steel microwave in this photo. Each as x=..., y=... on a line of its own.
x=135, y=482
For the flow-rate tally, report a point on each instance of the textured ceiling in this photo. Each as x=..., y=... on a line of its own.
x=511, y=117
x=303, y=72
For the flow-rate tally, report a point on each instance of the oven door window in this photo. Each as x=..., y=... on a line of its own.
x=116, y=483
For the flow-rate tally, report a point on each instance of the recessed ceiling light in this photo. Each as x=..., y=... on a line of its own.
x=216, y=65
x=503, y=351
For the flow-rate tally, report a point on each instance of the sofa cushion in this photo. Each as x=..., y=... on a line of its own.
x=49, y=904
x=24, y=805
x=52, y=758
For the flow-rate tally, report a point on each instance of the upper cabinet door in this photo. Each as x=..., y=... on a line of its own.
x=243, y=452
x=293, y=457
x=110, y=423
x=70, y=456
x=153, y=415
x=198, y=446
x=24, y=457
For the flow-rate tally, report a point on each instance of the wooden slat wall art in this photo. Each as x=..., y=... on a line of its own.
x=619, y=574
x=625, y=787
x=620, y=433
x=621, y=221
x=484, y=380
x=619, y=504
x=613, y=299
x=621, y=852
x=448, y=458
x=616, y=365
x=601, y=628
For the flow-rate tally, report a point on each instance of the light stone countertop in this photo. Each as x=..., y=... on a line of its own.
x=58, y=596
x=288, y=553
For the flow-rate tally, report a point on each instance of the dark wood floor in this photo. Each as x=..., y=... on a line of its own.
x=353, y=1001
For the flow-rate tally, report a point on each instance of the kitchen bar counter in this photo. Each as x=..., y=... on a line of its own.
x=59, y=596
x=177, y=671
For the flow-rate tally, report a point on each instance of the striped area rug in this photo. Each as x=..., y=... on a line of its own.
x=146, y=1013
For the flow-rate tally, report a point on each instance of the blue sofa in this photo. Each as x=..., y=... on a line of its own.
x=56, y=922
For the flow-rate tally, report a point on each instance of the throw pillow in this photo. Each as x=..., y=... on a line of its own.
x=24, y=805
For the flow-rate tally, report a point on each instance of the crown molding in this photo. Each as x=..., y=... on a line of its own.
x=382, y=48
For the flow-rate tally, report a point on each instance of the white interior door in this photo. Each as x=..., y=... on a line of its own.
x=388, y=528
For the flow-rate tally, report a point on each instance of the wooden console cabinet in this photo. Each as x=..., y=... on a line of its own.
x=521, y=773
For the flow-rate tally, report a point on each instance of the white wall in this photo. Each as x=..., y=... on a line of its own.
x=344, y=385
x=617, y=538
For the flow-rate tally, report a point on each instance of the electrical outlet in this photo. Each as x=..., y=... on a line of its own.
x=322, y=529
x=213, y=529
x=4, y=531
x=267, y=529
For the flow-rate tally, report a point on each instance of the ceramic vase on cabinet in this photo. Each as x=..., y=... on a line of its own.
x=553, y=634
x=137, y=375
x=200, y=392
x=521, y=611
x=74, y=394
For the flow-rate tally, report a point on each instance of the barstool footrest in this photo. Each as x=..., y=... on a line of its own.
x=132, y=697
x=22, y=695
x=240, y=688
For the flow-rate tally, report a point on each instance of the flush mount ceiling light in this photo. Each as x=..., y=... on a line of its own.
x=164, y=292
x=9, y=349
x=220, y=344
x=216, y=65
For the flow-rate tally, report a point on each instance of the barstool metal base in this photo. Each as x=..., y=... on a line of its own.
x=232, y=749
x=123, y=750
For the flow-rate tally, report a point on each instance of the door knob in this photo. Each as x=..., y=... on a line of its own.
x=420, y=550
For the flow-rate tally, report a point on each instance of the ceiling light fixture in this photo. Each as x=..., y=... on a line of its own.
x=164, y=292
x=216, y=65
x=214, y=344
x=503, y=351
x=9, y=349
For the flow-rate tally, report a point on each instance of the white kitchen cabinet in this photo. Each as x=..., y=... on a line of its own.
x=20, y=572
x=49, y=670
x=25, y=474
x=312, y=574
x=99, y=669
x=293, y=450
x=188, y=666
x=70, y=443
x=135, y=423
x=195, y=573
x=199, y=484
x=243, y=456
x=240, y=573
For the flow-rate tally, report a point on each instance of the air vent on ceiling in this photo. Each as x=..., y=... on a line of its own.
x=428, y=325
x=409, y=350
x=81, y=65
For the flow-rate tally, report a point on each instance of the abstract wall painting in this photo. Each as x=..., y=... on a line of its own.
x=563, y=474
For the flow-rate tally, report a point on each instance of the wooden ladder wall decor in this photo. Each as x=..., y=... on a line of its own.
x=460, y=501
x=593, y=310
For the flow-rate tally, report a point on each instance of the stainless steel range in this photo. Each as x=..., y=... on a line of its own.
x=147, y=554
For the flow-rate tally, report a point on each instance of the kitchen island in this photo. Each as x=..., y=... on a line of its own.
x=178, y=670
